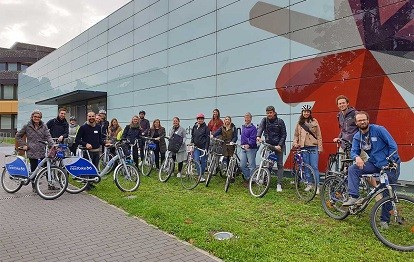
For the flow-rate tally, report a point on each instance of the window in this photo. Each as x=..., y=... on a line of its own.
x=6, y=122
x=24, y=67
x=2, y=66
x=8, y=92
x=11, y=66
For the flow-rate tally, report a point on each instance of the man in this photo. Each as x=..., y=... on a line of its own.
x=347, y=125
x=59, y=127
x=89, y=135
x=378, y=143
x=200, y=137
x=145, y=128
x=274, y=130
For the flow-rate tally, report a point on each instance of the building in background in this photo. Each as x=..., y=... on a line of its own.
x=12, y=61
x=181, y=57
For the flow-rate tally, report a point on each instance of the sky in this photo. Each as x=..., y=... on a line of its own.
x=50, y=23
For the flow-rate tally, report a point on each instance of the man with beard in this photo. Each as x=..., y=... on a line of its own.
x=89, y=135
x=59, y=127
x=378, y=143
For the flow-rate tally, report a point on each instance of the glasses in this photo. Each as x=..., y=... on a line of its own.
x=362, y=120
x=37, y=117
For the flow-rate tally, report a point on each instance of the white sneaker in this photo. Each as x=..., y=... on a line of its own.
x=308, y=187
x=279, y=188
x=202, y=179
x=179, y=174
x=317, y=190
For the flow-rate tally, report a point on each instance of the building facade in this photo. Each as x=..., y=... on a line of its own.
x=181, y=57
x=12, y=61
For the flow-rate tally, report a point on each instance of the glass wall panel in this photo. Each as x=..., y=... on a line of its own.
x=6, y=122
x=8, y=92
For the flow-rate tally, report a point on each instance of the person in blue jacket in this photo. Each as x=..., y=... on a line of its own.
x=378, y=143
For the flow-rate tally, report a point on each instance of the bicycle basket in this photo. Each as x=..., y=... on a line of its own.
x=152, y=146
x=125, y=149
x=217, y=146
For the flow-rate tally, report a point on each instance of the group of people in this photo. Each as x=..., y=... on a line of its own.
x=370, y=143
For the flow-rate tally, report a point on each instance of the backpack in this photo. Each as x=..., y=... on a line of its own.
x=175, y=143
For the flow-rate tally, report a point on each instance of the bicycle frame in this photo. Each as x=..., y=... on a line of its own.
x=268, y=157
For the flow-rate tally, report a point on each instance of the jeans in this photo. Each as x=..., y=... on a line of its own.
x=201, y=160
x=354, y=175
x=248, y=162
x=312, y=159
x=94, y=158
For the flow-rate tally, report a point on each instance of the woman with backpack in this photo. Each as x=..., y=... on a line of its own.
x=308, y=136
x=181, y=155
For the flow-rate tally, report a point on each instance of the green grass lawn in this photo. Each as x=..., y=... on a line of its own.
x=277, y=227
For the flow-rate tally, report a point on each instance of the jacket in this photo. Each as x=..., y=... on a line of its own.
x=227, y=135
x=182, y=152
x=274, y=131
x=347, y=125
x=58, y=127
x=382, y=145
x=131, y=133
x=214, y=125
x=248, y=135
x=35, y=150
x=88, y=134
x=161, y=142
x=145, y=126
x=303, y=138
x=200, y=136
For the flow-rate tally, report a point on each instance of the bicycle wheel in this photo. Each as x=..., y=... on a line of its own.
x=397, y=234
x=76, y=185
x=222, y=166
x=147, y=163
x=305, y=181
x=51, y=185
x=127, y=181
x=333, y=193
x=259, y=183
x=166, y=170
x=103, y=160
x=9, y=183
x=229, y=174
x=212, y=169
x=191, y=175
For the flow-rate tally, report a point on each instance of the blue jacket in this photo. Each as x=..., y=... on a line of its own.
x=382, y=145
x=248, y=135
x=274, y=131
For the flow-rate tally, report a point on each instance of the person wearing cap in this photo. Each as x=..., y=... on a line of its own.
x=59, y=127
x=308, y=136
x=145, y=126
x=274, y=130
x=73, y=129
x=35, y=131
x=200, y=137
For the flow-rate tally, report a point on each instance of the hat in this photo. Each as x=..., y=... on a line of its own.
x=306, y=108
x=200, y=115
x=72, y=118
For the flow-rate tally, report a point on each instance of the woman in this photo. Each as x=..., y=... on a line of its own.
x=35, y=130
x=132, y=133
x=112, y=133
x=228, y=134
x=248, y=143
x=181, y=155
x=215, y=122
x=158, y=133
x=200, y=137
x=73, y=129
x=308, y=136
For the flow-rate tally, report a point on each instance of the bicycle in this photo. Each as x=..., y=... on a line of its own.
x=104, y=158
x=191, y=175
x=398, y=233
x=259, y=182
x=304, y=176
x=167, y=167
x=50, y=181
x=148, y=163
x=83, y=172
x=216, y=150
x=233, y=166
x=339, y=161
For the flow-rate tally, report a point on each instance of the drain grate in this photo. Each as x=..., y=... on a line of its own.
x=12, y=197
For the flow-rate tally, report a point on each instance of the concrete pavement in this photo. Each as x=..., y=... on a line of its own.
x=81, y=228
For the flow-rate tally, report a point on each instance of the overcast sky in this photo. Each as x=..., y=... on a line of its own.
x=50, y=22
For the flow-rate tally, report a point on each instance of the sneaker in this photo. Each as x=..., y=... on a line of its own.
x=232, y=180
x=308, y=187
x=202, y=179
x=317, y=190
x=383, y=225
x=179, y=174
x=351, y=201
x=279, y=188
x=246, y=184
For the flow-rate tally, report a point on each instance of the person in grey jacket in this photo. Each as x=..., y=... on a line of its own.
x=181, y=156
x=34, y=131
x=346, y=116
